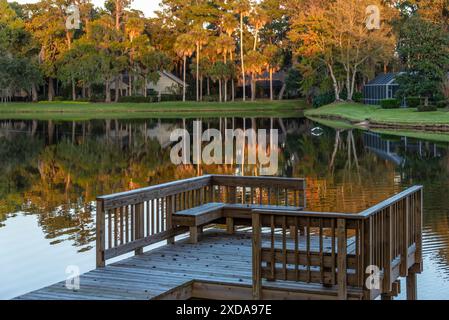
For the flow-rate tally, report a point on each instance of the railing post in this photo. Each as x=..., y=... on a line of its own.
x=341, y=259
x=170, y=208
x=403, y=270
x=418, y=211
x=139, y=232
x=367, y=255
x=256, y=246
x=388, y=256
x=100, y=225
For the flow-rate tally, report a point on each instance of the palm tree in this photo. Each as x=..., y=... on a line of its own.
x=199, y=36
x=229, y=24
x=242, y=7
x=184, y=47
x=258, y=20
x=134, y=27
x=256, y=63
x=224, y=45
x=273, y=55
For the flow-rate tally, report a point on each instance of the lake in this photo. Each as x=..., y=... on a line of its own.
x=51, y=173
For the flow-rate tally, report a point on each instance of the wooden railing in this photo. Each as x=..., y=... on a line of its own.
x=129, y=221
x=259, y=190
x=342, y=250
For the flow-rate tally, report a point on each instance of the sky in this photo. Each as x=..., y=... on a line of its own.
x=147, y=6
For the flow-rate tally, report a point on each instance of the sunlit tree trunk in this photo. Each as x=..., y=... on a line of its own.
x=108, y=91
x=241, y=57
x=184, y=78
x=51, y=89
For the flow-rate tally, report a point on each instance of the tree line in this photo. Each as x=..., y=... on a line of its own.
x=220, y=46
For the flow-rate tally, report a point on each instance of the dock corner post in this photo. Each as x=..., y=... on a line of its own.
x=256, y=253
x=100, y=234
x=139, y=225
x=341, y=259
x=411, y=286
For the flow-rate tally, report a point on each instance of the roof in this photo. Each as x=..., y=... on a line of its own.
x=172, y=77
x=383, y=79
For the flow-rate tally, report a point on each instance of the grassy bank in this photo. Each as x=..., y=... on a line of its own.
x=355, y=112
x=86, y=111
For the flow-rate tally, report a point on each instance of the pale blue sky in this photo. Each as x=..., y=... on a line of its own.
x=147, y=6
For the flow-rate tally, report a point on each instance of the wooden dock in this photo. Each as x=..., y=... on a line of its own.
x=247, y=238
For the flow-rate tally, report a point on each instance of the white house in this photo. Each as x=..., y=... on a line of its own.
x=168, y=84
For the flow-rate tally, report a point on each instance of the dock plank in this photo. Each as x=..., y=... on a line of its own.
x=218, y=257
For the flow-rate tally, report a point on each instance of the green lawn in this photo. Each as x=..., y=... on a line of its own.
x=360, y=112
x=86, y=111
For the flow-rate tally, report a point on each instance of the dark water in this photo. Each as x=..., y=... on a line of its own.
x=51, y=172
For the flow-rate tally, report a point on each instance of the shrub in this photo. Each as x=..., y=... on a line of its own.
x=358, y=97
x=442, y=104
x=323, y=99
x=413, y=102
x=171, y=97
x=59, y=98
x=390, y=104
x=97, y=98
x=429, y=108
x=137, y=99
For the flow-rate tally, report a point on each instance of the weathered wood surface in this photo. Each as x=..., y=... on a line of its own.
x=218, y=258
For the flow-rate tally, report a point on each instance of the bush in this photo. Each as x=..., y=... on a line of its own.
x=429, y=108
x=171, y=97
x=323, y=99
x=358, y=97
x=413, y=102
x=59, y=98
x=97, y=98
x=137, y=99
x=390, y=104
x=442, y=104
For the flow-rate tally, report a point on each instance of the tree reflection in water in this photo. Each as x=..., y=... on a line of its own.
x=56, y=169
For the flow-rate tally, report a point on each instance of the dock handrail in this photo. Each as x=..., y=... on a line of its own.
x=387, y=236
x=129, y=221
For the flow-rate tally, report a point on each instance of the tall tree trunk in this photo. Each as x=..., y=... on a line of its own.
x=253, y=87
x=226, y=90
x=219, y=90
x=184, y=77
x=73, y=90
x=201, y=89
x=208, y=86
x=108, y=91
x=271, y=84
x=241, y=57
x=197, y=72
x=117, y=88
x=334, y=82
x=51, y=89
x=145, y=93
x=34, y=96
x=233, y=90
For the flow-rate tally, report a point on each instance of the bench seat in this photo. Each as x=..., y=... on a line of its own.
x=195, y=218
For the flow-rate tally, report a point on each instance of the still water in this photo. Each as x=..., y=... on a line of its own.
x=51, y=172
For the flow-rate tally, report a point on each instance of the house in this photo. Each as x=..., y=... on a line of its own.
x=168, y=83
x=382, y=87
x=263, y=84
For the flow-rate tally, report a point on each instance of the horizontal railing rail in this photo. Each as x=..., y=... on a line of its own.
x=259, y=190
x=129, y=221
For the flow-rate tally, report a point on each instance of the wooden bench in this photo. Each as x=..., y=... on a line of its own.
x=197, y=217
